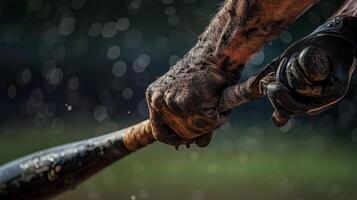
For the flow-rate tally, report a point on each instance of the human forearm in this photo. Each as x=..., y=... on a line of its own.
x=183, y=102
x=241, y=28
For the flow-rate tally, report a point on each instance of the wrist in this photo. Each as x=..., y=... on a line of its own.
x=241, y=28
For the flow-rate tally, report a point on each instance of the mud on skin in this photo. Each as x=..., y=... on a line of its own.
x=183, y=102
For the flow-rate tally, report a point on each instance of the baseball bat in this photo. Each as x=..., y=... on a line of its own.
x=50, y=172
x=47, y=173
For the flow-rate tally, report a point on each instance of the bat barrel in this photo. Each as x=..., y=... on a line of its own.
x=49, y=172
x=52, y=171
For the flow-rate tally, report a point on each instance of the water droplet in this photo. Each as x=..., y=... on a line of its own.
x=69, y=107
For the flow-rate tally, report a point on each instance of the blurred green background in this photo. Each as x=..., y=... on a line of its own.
x=74, y=69
x=244, y=161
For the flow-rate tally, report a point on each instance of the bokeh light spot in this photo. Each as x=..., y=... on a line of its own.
x=113, y=52
x=123, y=24
x=119, y=68
x=109, y=29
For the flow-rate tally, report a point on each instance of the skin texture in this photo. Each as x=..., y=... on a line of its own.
x=239, y=30
x=183, y=102
x=349, y=8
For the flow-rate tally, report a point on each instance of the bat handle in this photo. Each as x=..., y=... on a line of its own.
x=241, y=93
x=247, y=91
x=138, y=136
x=252, y=89
x=236, y=95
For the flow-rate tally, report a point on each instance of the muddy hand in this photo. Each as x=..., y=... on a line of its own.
x=183, y=103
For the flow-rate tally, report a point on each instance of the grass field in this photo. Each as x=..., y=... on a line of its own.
x=242, y=162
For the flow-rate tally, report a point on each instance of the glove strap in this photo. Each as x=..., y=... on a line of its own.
x=344, y=27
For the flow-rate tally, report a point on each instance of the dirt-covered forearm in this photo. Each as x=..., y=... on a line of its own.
x=349, y=8
x=183, y=103
x=242, y=27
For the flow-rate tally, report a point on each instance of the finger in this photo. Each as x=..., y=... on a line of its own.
x=279, y=119
x=224, y=117
x=162, y=132
x=297, y=80
x=284, y=101
x=271, y=77
x=204, y=140
x=314, y=63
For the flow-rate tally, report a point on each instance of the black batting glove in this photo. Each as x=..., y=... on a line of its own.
x=314, y=73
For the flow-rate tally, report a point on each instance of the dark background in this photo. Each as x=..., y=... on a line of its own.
x=73, y=69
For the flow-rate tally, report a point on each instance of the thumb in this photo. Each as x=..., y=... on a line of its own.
x=281, y=100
